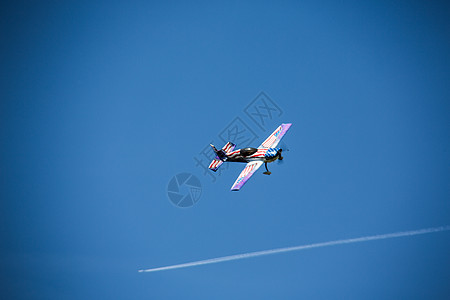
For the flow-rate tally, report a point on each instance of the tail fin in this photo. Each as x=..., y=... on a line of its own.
x=221, y=155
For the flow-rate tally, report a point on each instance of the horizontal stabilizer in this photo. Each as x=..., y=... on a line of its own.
x=221, y=155
x=215, y=164
x=228, y=147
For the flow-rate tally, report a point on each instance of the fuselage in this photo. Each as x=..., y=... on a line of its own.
x=246, y=155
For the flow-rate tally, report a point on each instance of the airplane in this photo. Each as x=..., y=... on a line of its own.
x=254, y=157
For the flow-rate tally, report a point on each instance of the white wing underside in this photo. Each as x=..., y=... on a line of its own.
x=245, y=175
x=273, y=139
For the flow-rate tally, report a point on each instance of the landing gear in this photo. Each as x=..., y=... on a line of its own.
x=267, y=170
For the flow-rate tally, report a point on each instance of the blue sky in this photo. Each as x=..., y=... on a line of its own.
x=103, y=103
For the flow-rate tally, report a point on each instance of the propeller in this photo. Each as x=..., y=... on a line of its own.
x=283, y=149
x=283, y=146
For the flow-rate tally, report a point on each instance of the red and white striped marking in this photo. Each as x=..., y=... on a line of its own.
x=215, y=164
x=248, y=171
x=272, y=138
x=228, y=147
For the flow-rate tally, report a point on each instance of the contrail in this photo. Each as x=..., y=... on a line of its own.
x=298, y=248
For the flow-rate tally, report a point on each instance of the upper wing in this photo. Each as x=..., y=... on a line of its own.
x=248, y=171
x=273, y=139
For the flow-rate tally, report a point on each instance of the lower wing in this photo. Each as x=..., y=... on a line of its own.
x=245, y=175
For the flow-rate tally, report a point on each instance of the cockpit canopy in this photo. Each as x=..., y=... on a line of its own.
x=248, y=151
